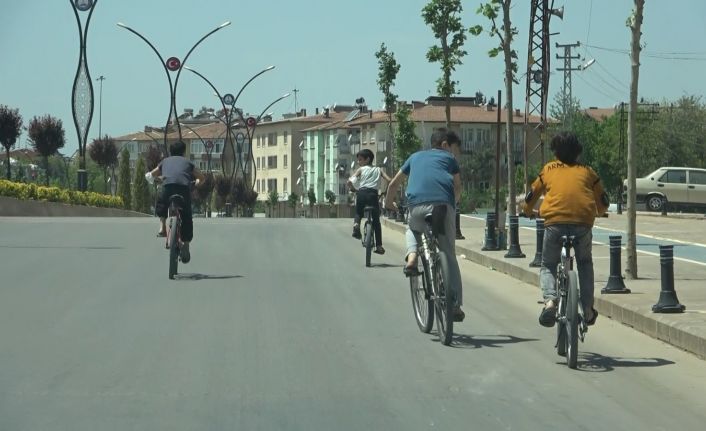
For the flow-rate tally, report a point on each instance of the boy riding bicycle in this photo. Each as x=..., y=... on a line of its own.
x=367, y=180
x=573, y=197
x=434, y=180
x=177, y=174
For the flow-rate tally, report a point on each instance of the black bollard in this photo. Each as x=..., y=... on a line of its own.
x=491, y=242
x=668, y=302
x=664, y=205
x=537, y=262
x=228, y=209
x=459, y=235
x=615, y=281
x=514, y=249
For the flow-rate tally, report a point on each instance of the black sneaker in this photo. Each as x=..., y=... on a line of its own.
x=356, y=233
x=458, y=314
x=184, y=253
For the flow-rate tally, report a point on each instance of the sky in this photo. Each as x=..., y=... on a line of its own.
x=323, y=48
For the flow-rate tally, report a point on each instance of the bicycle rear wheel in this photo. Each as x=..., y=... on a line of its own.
x=422, y=304
x=173, y=248
x=368, y=243
x=561, y=327
x=572, y=320
x=443, y=299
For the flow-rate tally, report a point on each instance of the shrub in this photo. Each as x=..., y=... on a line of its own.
x=56, y=194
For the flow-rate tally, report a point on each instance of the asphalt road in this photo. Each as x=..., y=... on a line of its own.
x=277, y=325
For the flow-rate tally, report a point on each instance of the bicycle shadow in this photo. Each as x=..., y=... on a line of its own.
x=597, y=363
x=463, y=341
x=198, y=277
x=384, y=265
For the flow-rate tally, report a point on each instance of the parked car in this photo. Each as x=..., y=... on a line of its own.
x=678, y=187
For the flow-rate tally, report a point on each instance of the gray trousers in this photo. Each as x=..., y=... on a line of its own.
x=447, y=242
x=551, y=256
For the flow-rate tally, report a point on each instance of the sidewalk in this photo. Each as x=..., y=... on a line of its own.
x=686, y=330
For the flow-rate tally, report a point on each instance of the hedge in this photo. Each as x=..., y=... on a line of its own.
x=55, y=194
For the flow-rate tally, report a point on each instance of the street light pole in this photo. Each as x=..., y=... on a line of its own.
x=100, y=107
x=172, y=64
x=82, y=91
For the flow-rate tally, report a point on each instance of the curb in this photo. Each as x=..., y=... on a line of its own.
x=659, y=326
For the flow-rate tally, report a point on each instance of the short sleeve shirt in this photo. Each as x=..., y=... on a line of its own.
x=431, y=177
x=177, y=170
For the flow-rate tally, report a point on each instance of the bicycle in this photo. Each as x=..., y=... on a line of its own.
x=571, y=323
x=435, y=296
x=368, y=238
x=176, y=202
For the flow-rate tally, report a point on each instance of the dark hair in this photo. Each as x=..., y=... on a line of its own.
x=439, y=136
x=566, y=147
x=452, y=138
x=177, y=148
x=366, y=154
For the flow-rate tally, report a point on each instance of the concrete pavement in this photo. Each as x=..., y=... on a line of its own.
x=686, y=330
x=277, y=325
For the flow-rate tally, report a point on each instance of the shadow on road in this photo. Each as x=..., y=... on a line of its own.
x=196, y=277
x=478, y=341
x=68, y=247
x=597, y=363
x=384, y=265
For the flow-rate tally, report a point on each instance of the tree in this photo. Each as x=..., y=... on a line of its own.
x=124, y=178
x=634, y=22
x=223, y=187
x=104, y=152
x=330, y=197
x=141, y=191
x=272, y=200
x=10, y=128
x=311, y=195
x=153, y=157
x=47, y=136
x=443, y=18
x=250, y=200
x=387, y=73
x=407, y=140
x=292, y=200
x=238, y=192
x=505, y=33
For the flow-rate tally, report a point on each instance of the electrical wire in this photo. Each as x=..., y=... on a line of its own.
x=596, y=88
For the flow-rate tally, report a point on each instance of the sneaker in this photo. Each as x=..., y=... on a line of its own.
x=458, y=314
x=356, y=233
x=184, y=253
x=379, y=250
x=459, y=235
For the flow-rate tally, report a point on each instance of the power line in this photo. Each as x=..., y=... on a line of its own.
x=596, y=88
x=613, y=87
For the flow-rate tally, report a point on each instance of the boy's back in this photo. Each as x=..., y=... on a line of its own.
x=431, y=177
x=177, y=170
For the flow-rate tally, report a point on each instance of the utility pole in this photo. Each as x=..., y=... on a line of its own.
x=567, y=69
x=295, y=91
x=100, y=106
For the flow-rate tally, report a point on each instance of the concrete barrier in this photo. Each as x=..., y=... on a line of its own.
x=11, y=207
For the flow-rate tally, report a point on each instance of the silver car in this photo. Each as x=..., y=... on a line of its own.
x=676, y=186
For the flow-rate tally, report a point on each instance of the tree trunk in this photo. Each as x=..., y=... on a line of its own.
x=507, y=37
x=7, y=161
x=105, y=181
x=46, y=170
x=632, y=124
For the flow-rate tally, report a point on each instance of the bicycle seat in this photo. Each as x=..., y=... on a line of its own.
x=369, y=208
x=437, y=219
x=177, y=200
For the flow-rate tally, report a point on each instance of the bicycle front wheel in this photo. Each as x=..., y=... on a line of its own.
x=422, y=304
x=572, y=320
x=173, y=248
x=443, y=299
x=368, y=243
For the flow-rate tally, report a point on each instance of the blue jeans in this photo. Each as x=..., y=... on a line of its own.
x=551, y=256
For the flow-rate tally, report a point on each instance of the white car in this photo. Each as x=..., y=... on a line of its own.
x=679, y=187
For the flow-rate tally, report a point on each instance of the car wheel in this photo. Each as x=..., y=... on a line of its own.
x=654, y=203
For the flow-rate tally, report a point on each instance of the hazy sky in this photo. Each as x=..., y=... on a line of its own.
x=324, y=48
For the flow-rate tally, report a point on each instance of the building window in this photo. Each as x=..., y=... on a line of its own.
x=272, y=162
x=285, y=136
x=258, y=140
x=258, y=163
x=258, y=186
x=271, y=185
x=271, y=139
x=284, y=186
x=285, y=160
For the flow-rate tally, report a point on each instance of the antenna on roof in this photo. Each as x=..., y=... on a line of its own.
x=295, y=91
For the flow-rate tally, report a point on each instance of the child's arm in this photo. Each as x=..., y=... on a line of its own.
x=536, y=191
x=601, y=197
x=198, y=176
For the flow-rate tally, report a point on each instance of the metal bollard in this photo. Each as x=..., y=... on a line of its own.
x=459, y=235
x=490, y=240
x=228, y=209
x=514, y=249
x=537, y=262
x=615, y=281
x=668, y=302
x=664, y=205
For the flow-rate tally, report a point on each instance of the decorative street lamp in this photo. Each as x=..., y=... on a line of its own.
x=173, y=64
x=82, y=92
x=228, y=101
